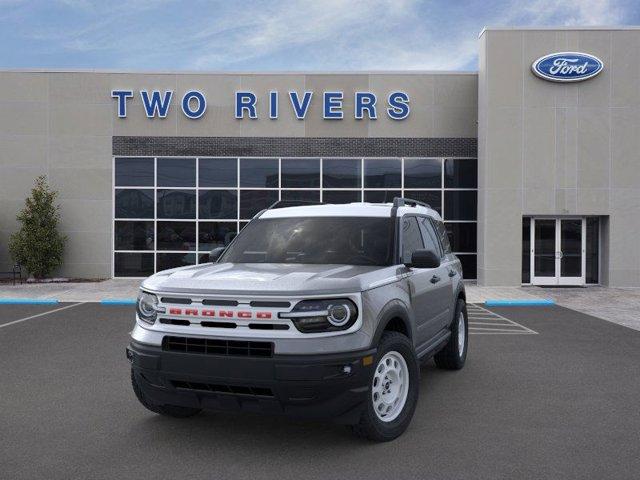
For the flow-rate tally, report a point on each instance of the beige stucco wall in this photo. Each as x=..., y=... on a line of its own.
x=558, y=149
x=61, y=125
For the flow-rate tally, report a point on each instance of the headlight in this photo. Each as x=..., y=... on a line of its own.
x=147, y=307
x=313, y=316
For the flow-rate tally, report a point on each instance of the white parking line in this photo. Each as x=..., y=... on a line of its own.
x=486, y=322
x=39, y=315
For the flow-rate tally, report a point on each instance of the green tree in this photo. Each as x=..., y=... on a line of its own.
x=38, y=246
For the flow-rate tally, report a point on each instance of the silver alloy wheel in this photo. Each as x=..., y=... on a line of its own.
x=390, y=386
x=462, y=336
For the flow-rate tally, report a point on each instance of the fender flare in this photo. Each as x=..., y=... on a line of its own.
x=393, y=309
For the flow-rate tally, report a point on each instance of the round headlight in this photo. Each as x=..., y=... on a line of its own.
x=338, y=315
x=147, y=307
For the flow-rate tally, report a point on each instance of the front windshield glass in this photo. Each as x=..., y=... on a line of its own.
x=318, y=240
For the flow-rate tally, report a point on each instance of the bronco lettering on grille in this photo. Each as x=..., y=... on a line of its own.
x=244, y=314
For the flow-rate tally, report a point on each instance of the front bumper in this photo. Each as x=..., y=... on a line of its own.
x=306, y=386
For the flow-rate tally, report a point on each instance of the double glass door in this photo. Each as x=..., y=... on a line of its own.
x=558, y=251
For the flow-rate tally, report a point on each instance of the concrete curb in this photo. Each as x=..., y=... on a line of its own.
x=520, y=303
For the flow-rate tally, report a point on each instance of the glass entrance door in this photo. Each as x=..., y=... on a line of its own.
x=558, y=251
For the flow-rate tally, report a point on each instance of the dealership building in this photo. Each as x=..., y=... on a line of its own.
x=532, y=161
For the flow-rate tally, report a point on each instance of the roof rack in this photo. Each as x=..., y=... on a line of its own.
x=402, y=202
x=292, y=203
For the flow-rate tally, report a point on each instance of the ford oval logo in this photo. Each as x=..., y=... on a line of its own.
x=567, y=66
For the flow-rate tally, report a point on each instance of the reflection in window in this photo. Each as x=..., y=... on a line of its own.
x=134, y=172
x=173, y=260
x=300, y=173
x=460, y=173
x=259, y=172
x=252, y=201
x=422, y=173
x=433, y=198
x=134, y=203
x=176, y=204
x=176, y=236
x=381, y=196
x=218, y=204
x=460, y=205
x=176, y=172
x=341, y=173
x=218, y=172
x=301, y=195
x=341, y=196
x=215, y=234
x=382, y=173
x=133, y=235
x=132, y=264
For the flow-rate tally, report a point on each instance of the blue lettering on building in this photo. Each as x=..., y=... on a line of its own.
x=193, y=104
x=398, y=105
x=199, y=99
x=300, y=107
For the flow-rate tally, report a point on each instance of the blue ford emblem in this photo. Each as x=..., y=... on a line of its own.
x=567, y=66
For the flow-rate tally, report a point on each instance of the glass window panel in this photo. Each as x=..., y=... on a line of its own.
x=381, y=196
x=422, y=173
x=411, y=238
x=133, y=236
x=526, y=250
x=134, y=172
x=460, y=205
x=134, y=203
x=203, y=258
x=215, y=234
x=432, y=197
x=252, y=201
x=571, y=248
x=259, y=172
x=469, y=267
x=381, y=173
x=429, y=236
x=218, y=172
x=133, y=264
x=243, y=224
x=218, y=204
x=173, y=260
x=341, y=196
x=300, y=172
x=303, y=195
x=460, y=173
x=176, y=235
x=463, y=237
x=341, y=173
x=544, y=262
x=176, y=172
x=593, y=240
x=176, y=204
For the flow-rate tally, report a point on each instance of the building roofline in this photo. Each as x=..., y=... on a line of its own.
x=236, y=72
x=563, y=27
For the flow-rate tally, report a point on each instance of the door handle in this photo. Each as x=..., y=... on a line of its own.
x=452, y=273
x=435, y=279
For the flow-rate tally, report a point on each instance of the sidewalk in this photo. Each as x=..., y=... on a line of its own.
x=617, y=305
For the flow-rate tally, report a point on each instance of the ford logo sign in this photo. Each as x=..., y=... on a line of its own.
x=567, y=66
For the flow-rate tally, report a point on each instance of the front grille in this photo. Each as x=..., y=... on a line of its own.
x=231, y=389
x=208, y=346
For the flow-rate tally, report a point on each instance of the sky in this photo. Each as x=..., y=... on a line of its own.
x=275, y=35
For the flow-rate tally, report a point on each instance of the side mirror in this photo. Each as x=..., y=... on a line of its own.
x=214, y=254
x=424, y=259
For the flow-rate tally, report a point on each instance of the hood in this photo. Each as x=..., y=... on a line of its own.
x=268, y=279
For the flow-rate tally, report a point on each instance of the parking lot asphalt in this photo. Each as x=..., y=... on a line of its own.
x=561, y=403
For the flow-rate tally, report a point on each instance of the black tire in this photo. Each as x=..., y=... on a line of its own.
x=166, y=410
x=370, y=426
x=450, y=357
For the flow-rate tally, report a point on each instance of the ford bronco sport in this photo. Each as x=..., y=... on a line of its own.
x=316, y=311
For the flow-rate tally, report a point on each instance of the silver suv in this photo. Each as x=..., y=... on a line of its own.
x=316, y=311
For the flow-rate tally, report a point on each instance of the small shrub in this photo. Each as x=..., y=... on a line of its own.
x=37, y=245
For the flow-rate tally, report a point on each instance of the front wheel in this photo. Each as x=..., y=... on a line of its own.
x=393, y=391
x=454, y=354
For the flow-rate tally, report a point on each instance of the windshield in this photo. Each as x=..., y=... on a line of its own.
x=337, y=240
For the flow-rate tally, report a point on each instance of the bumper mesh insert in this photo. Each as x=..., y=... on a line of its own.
x=209, y=346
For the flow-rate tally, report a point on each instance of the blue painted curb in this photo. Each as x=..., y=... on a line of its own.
x=519, y=303
x=117, y=301
x=28, y=301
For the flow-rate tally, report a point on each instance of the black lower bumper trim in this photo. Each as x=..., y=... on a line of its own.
x=308, y=386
